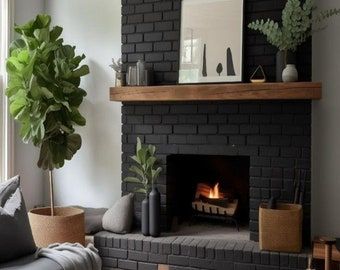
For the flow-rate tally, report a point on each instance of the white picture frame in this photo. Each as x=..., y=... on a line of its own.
x=211, y=43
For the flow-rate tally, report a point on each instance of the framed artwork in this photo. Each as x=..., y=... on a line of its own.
x=211, y=45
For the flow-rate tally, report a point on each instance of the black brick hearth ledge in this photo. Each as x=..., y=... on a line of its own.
x=137, y=252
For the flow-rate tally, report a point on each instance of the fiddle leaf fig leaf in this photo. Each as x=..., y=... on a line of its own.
x=77, y=118
x=82, y=71
x=55, y=33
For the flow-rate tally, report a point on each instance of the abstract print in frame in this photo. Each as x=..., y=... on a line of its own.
x=211, y=41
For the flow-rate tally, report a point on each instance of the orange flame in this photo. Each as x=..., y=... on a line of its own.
x=215, y=192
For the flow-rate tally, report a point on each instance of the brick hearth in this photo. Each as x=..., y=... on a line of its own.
x=136, y=252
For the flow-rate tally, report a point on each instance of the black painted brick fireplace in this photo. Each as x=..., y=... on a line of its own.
x=276, y=135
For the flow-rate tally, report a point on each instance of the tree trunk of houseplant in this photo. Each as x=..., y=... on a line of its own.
x=282, y=59
x=50, y=176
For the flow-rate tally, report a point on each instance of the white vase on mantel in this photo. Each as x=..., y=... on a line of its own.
x=290, y=74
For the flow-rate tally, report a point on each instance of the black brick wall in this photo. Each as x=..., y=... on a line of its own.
x=276, y=135
x=151, y=31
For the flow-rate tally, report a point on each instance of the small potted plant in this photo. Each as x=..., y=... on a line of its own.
x=44, y=97
x=298, y=19
x=119, y=75
x=146, y=174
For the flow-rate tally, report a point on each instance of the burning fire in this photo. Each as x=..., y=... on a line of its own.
x=214, y=193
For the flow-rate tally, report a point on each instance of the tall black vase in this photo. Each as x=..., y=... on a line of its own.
x=155, y=212
x=283, y=58
x=145, y=217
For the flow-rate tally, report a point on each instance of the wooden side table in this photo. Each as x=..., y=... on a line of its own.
x=328, y=242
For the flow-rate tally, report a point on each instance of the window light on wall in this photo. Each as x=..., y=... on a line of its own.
x=6, y=124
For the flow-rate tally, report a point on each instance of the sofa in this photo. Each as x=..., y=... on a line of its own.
x=30, y=263
x=17, y=247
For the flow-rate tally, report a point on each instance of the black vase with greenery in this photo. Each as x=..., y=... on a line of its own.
x=145, y=175
x=299, y=20
x=155, y=212
x=145, y=217
x=283, y=58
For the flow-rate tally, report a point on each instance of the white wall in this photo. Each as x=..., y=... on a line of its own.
x=26, y=156
x=326, y=128
x=93, y=177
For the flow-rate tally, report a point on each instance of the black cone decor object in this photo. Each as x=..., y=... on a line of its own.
x=204, y=68
x=230, y=63
x=155, y=212
x=219, y=69
x=145, y=217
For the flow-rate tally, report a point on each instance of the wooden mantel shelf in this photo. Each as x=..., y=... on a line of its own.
x=218, y=92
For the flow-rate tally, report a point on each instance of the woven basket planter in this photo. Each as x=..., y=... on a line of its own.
x=67, y=225
x=281, y=229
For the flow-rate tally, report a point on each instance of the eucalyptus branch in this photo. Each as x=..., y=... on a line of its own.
x=296, y=25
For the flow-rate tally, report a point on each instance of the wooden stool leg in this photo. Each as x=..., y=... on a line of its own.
x=328, y=256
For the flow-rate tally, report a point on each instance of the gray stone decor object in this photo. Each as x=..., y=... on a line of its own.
x=15, y=231
x=155, y=213
x=119, y=217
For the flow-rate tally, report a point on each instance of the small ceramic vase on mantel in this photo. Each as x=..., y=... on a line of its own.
x=282, y=59
x=290, y=74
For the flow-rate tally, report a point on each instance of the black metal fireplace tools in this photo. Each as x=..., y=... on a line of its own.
x=299, y=186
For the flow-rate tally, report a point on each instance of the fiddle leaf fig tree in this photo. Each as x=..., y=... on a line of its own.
x=44, y=93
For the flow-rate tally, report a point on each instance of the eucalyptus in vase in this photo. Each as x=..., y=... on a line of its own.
x=299, y=21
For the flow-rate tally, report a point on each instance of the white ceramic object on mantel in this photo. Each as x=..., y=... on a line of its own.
x=290, y=74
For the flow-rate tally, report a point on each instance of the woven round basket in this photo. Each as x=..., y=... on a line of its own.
x=281, y=229
x=67, y=225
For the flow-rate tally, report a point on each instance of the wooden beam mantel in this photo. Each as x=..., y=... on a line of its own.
x=218, y=92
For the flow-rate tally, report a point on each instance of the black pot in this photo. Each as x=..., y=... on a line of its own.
x=283, y=58
x=155, y=212
x=145, y=217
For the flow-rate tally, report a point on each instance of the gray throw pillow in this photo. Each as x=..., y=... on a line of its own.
x=93, y=219
x=15, y=230
x=119, y=217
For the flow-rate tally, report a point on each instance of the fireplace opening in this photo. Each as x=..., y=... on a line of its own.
x=209, y=188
